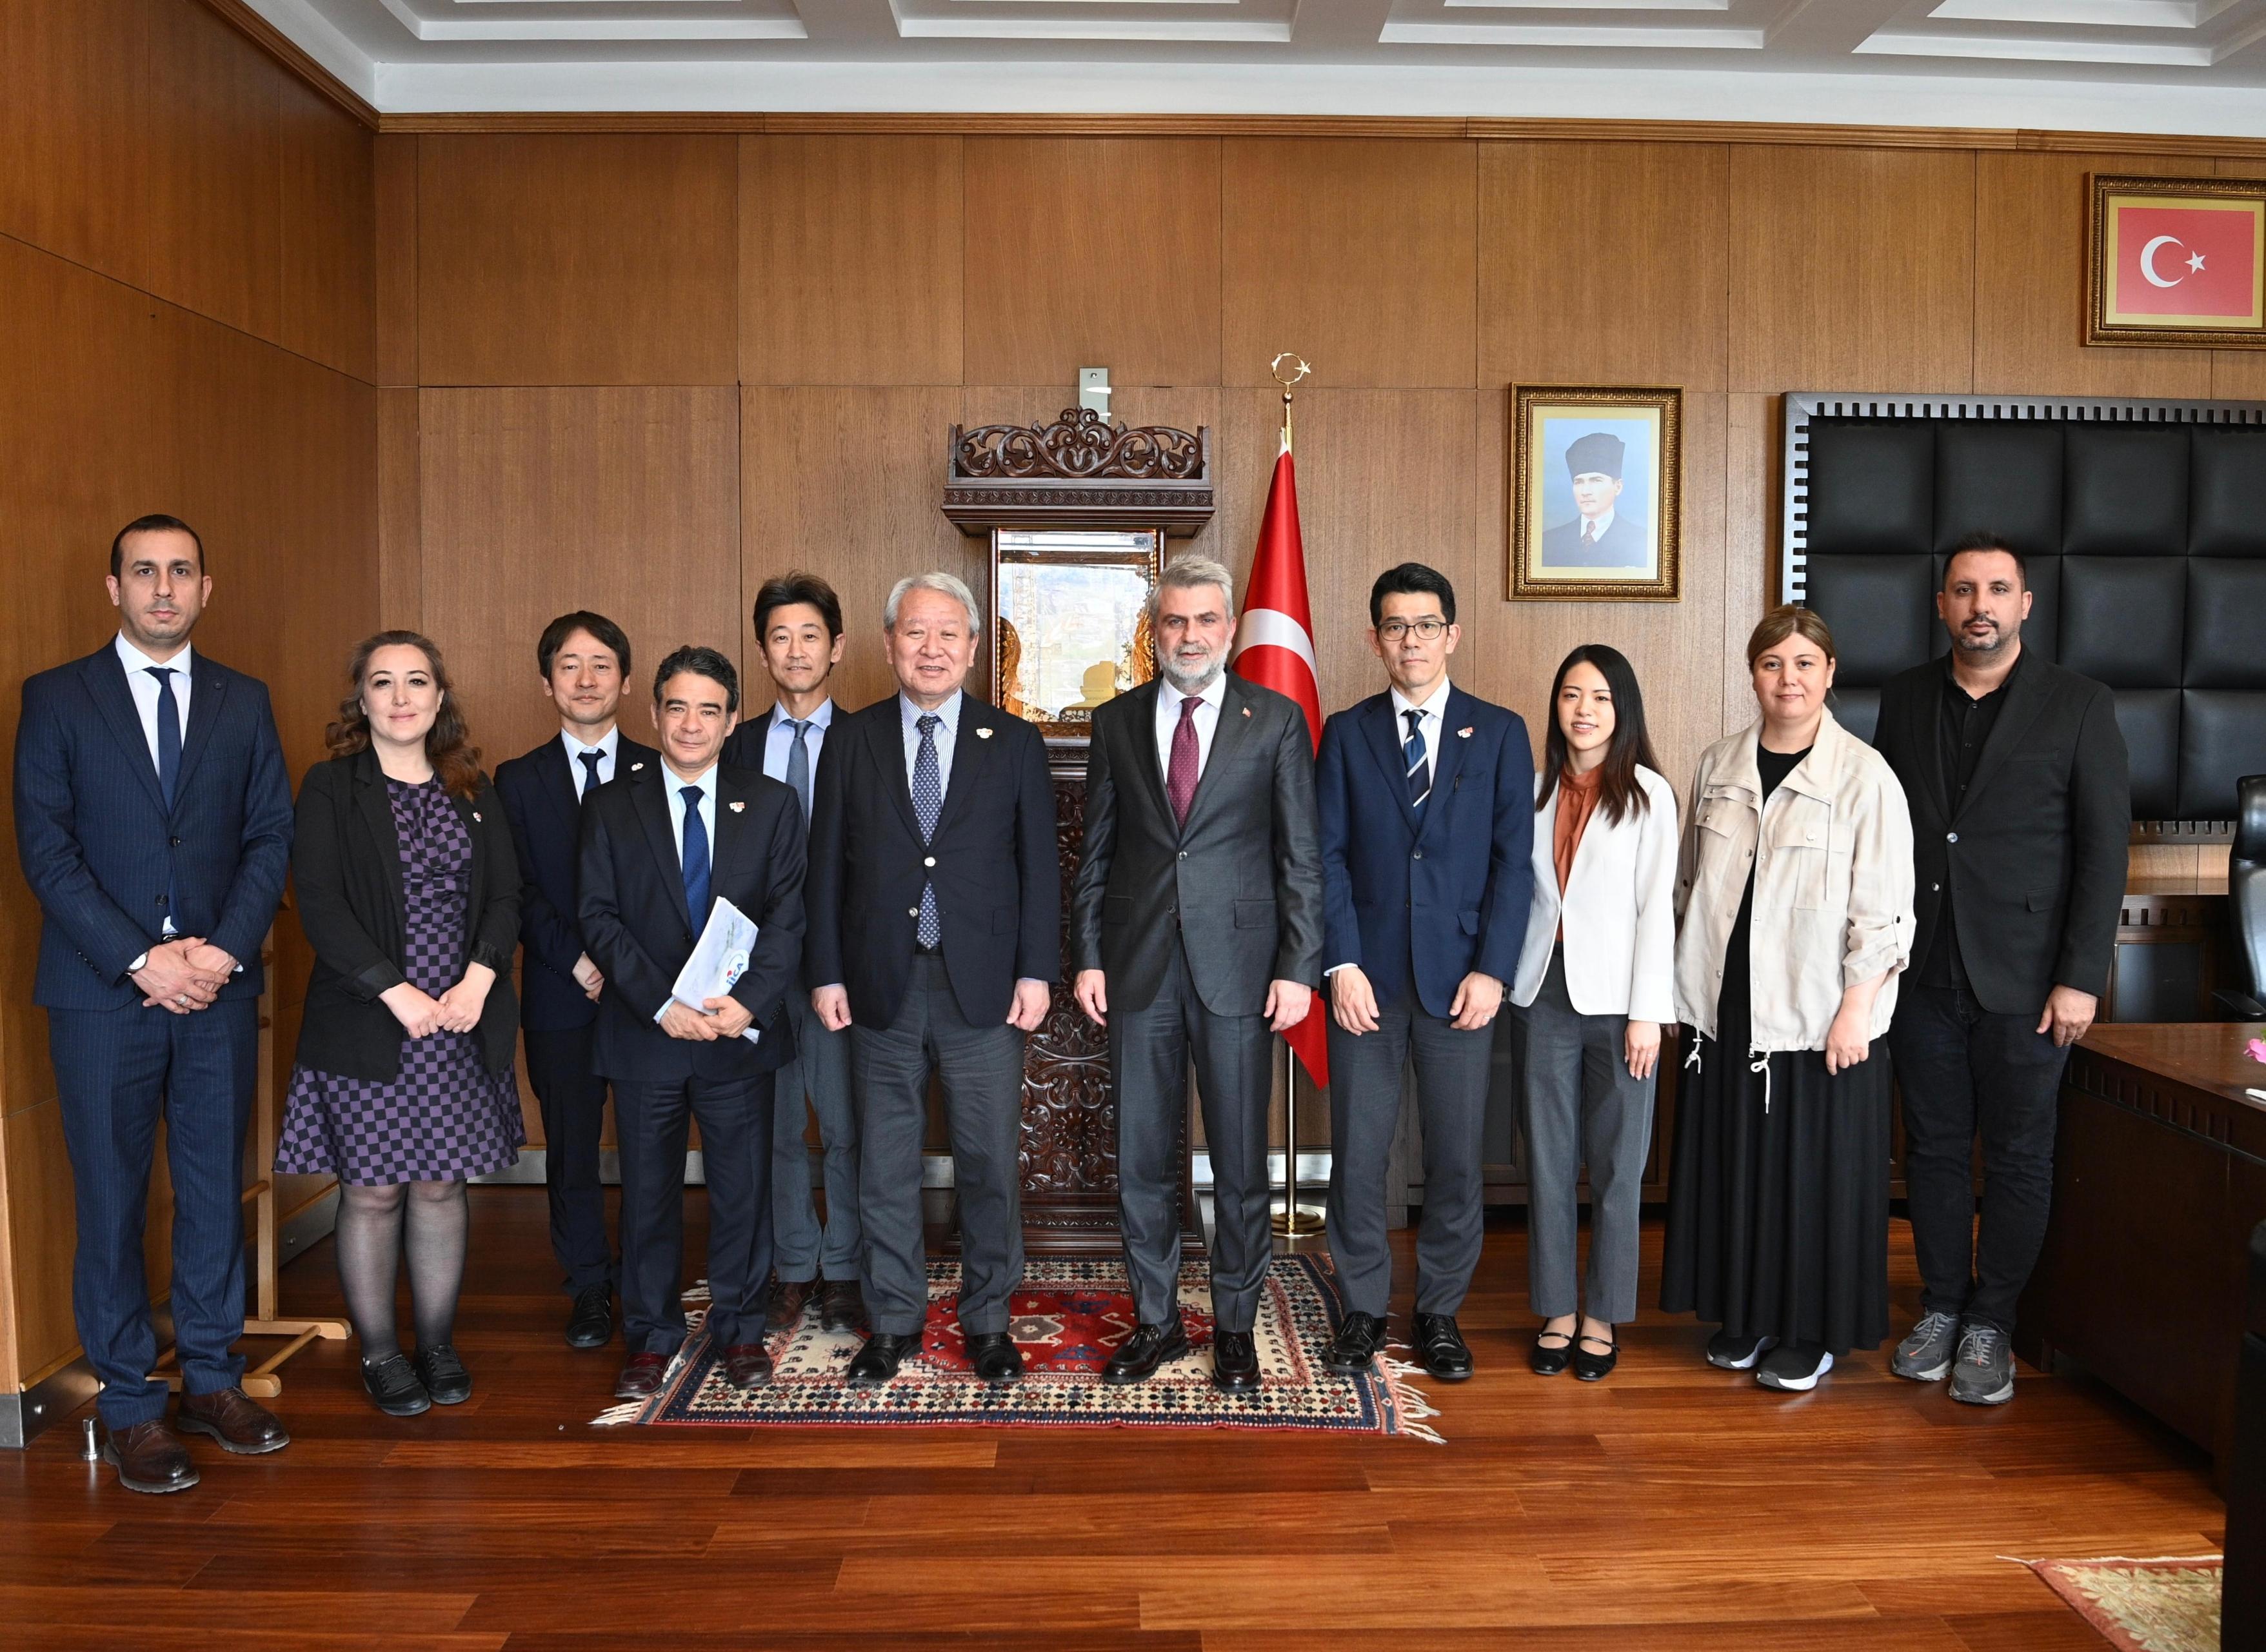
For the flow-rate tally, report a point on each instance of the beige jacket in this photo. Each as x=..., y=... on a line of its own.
x=1833, y=886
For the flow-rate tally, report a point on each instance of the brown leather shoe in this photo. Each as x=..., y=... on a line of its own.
x=640, y=1377
x=788, y=1299
x=150, y=1456
x=841, y=1306
x=746, y=1365
x=240, y=1423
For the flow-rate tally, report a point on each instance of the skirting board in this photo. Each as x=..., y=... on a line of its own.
x=936, y=1170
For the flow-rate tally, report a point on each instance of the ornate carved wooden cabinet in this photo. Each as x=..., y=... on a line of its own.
x=1076, y=513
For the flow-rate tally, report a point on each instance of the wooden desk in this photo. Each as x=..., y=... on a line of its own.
x=2160, y=1176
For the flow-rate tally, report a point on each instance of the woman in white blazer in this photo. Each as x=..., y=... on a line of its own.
x=1595, y=985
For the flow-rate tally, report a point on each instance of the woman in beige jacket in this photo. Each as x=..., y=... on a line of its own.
x=1794, y=888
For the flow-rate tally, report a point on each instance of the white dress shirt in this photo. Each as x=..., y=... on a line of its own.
x=947, y=735
x=675, y=789
x=778, y=739
x=1592, y=535
x=144, y=687
x=1428, y=718
x=605, y=748
x=1207, y=721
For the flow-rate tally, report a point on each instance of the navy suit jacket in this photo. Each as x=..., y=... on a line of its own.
x=1434, y=896
x=541, y=802
x=100, y=846
x=639, y=929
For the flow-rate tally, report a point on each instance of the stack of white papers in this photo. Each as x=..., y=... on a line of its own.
x=718, y=961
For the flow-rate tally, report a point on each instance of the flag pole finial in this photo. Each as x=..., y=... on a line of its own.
x=1275, y=368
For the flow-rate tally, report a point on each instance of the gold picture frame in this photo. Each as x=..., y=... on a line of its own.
x=1596, y=483
x=2175, y=261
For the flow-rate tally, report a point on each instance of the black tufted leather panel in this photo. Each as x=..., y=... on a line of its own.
x=2150, y=719
x=2000, y=474
x=2126, y=492
x=2227, y=623
x=2222, y=738
x=2227, y=498
x=1895, y=597
x=1872, y=486
x=2122, y=618
x=1857, y=710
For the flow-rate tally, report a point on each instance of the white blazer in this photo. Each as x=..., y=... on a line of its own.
x=1619, y=909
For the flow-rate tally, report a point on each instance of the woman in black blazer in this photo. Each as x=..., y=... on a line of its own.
x=408, y=891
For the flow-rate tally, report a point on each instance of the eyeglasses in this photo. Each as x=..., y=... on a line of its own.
x=1429, y=630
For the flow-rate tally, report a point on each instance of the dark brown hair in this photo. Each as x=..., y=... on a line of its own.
x=1618, y=794
x=448, y=743
x=1783, y=621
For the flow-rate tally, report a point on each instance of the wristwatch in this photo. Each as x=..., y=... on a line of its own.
x=138, y=965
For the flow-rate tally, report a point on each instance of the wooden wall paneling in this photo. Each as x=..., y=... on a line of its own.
x=847, y=482
x=1358, y=253
x=1852, y=269
x=849, y=261
x=1604, y=264
x=400, y=512
x=330, y=233
x=213, y=170
x=1091, y=252
x=72, y=132
x=577, y=260
x=393, y=169
x=2030, y=284
x=43, y=1233
x=2237, y=374
x=1752, y=478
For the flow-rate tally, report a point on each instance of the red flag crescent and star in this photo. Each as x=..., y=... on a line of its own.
x=1275, y=649
x=2198, y=262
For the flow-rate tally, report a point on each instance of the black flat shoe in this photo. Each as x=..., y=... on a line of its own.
x=591, y=1322
x=393, y=1388
x=1356, y=1346
x=1591, y=1368
x=1441, y=1345
x=1149, y=1347
x=993, y=1355
x=1548, y=1362
x=877, y=1361
x=1728, y=1352
x=1235, y=1362
x=443, y=1375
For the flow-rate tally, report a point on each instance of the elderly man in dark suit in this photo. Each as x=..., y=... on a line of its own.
x=2021, y=810
x=153, y=817
x=584, y=659
x=1196, y=926
x=935, y=938
x=1600, y=536
x=661, y=846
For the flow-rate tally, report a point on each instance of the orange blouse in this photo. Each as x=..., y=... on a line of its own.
x=1577, y=800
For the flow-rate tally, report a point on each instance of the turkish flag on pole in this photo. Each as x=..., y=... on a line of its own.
x=1275, y=649
x=2199, y=262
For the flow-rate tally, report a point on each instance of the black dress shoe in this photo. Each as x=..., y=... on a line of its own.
x=1235, y=1362
x=1149, y=1347
x=878, y=1361
x=1595, y=1367
x=1355, y=1348
x=591, y=1322
x=393, y=1386
x=841, y=1306
x=747, y=1366
x=994, y=1356
x=1440, y=1345
x=443, y=1375
x=1548, y=1362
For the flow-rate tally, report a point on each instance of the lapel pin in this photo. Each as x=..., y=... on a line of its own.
x=634, y=767
x=1463, y=734
x=1246, y=710
x=475, y=813
x=737, y=805
x=983, y=733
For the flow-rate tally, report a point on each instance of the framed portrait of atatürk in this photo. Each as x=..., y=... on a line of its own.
x=2177, y=261
x=1596, y=481
x=1073, y=621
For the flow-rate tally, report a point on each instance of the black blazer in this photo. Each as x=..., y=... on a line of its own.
x=640, y=932
x=345, y=864
x=994, y=862
x=2036, y=872
x=1241, y=886
x=539, y=799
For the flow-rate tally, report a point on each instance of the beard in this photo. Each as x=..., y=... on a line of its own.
x=1190, y=682
x=1987, y=647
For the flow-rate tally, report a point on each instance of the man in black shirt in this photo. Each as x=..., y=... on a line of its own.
x=2016, y=775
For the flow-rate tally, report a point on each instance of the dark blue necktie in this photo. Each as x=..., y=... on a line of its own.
x=1412, y=752
x=169, y=732
x=589, y=768
x=696, y=857
x=928, y=804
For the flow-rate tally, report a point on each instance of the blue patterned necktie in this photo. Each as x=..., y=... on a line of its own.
x=696, y=857
x=797, y=766
x=169, y=732
x=928, y=803
x=1412, y=752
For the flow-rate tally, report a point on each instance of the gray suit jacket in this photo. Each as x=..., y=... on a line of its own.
x=1241, y=884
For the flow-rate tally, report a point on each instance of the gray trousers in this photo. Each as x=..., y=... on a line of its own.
x=800, y=1250
x=1150, y=1049
x=1580, y=1103
x=1452, y=1086
x=981, y=1069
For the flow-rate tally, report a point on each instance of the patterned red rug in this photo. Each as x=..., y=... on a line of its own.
x=2162, y=1605
x=1069, y=1317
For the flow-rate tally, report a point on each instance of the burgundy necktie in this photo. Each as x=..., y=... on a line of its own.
x=1180, y=773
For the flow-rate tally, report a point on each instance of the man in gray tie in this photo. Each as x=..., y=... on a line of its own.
x=798, y=632
x=1196, y=929
x=935, y=904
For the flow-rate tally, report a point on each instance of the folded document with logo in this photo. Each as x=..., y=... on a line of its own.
x=718, y=961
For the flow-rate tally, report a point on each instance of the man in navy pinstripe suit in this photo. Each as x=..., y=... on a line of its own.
x=153, y=817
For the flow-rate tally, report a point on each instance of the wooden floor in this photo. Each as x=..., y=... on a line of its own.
x=1672, y=1506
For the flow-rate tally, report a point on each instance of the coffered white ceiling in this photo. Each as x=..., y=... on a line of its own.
x=2113, y=65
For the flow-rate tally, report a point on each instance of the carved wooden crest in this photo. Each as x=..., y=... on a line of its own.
x=1080, y=471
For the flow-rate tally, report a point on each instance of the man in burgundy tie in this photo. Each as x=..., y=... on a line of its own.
x=1603, y=534
x=1195, y=928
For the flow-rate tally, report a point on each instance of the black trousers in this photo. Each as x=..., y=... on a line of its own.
x=574, y=1101
x=1966, y=1071
x=736, y=1148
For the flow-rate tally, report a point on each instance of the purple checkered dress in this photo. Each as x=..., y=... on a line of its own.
x=446, y=1116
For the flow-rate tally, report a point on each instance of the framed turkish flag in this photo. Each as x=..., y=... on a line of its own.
x=2177, y=260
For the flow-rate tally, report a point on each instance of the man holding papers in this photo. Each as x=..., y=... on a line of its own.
x=663, y=850
x=935, y=938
